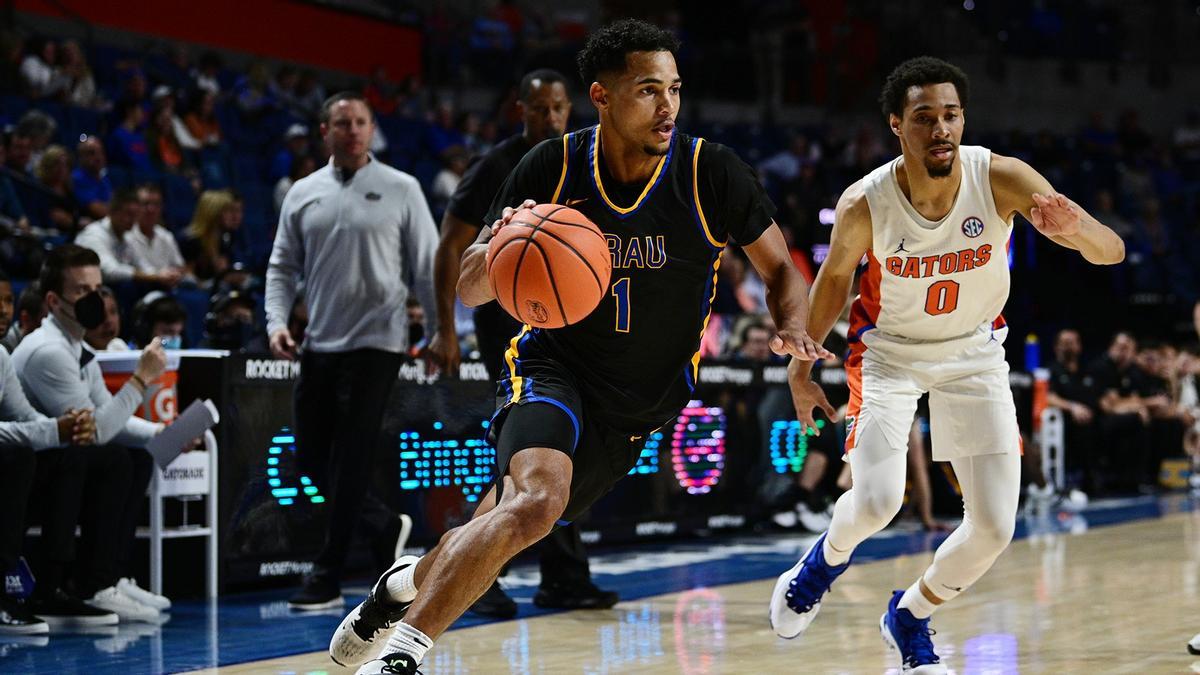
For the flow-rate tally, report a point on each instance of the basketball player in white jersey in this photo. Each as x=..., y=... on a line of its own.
x=933, y=225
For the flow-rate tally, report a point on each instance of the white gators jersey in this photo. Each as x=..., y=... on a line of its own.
x=930, y=280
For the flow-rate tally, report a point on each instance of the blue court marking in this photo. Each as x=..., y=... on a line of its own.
x=254, y=626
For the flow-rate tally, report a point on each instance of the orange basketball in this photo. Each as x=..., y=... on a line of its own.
x=549, y=266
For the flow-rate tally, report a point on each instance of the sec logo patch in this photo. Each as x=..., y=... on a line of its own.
x=972, y=227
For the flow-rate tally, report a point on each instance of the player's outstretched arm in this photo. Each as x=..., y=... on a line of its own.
x=786, y=296
x=1019, y=188
x=849, y=242
x=474, y=288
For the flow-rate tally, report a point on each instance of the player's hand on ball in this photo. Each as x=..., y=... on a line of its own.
x=507, y=214
x=807, y=395
x=799, y=345
x=1054, y=216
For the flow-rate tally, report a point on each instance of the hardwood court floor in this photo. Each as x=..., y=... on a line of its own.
x=1120, y=599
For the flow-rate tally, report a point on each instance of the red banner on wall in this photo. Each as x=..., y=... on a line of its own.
x=279, y=29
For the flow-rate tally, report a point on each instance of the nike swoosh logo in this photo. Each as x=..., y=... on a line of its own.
x=573, y=202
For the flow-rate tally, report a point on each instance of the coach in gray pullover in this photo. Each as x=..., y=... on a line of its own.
x=359, y=235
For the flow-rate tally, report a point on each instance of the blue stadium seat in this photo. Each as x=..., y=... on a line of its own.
x=179, y=202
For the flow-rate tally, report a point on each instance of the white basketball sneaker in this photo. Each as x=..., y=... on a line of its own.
x=129, y=587
x=111, y=599
x=798, y=591
x=355, y=638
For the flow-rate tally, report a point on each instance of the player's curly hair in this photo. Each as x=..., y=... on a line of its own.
x=919, y=72
x=606, y=49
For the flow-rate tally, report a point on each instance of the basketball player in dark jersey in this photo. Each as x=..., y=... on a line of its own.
x=545, y=107
x=578, y=401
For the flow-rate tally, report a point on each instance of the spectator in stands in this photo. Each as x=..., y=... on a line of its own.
x=127, y=143
x=23, y=431
x=62, y=209
x=301, y=167
x=443, y=133
x=80, y=84
x=283, y=89
x=207, y=73
x=7, y=311
x=12, y=212
x=454, y=164
x=166, y=153
x=40, y=129
x=1169, y=419
x=1105, y=208
x=102, y=487
x=784, y=167
x=93, y=189
x=134, y=87
x=753, y=342
x=107, y=237
x=31, y=309
x=106, y=336
x=1124, y=418
x=161, y=316
x=1189, y=400
x=209, y=250
x=295, y=145
x=38, y=74
x=11, y=46
x=230, y=323
x=19, y=155
x=252, y=93
x=310, y=94
x=1072, y=391
x=201, y=120
x=380, y=92
x=152, y=246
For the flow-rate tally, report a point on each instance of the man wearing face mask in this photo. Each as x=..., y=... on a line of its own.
x=59, y=373
x=360, y=235
x=25, y=434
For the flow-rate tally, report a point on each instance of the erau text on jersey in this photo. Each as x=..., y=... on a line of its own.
x=928, y=265
x=645, y=252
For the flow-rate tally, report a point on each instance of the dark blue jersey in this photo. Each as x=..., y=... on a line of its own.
x=635, y=358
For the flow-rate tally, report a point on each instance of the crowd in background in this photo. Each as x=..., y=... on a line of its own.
x=172, y=166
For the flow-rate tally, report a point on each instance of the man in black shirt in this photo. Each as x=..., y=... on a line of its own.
x=1073, y=391
x=578, y=401
x=545, y=108
x=1124, y=415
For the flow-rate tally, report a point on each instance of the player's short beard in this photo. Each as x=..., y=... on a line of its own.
x=656, y=151
x=940, y=171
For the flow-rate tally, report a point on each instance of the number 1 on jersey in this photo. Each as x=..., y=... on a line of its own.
x=620, y=290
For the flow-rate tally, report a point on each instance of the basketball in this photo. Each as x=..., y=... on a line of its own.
x=549, y=266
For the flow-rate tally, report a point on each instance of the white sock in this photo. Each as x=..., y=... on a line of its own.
x=408, y=640
x=915, y=601
x=833, y=557
x=400, y=585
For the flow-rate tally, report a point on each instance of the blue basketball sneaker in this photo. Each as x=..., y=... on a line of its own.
x=797, y=595
x=911, y=637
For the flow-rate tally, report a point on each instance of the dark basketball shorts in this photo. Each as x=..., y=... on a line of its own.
x=542, y=408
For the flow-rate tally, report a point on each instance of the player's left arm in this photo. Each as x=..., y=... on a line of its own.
x=1019, y=188
x=787, y=296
